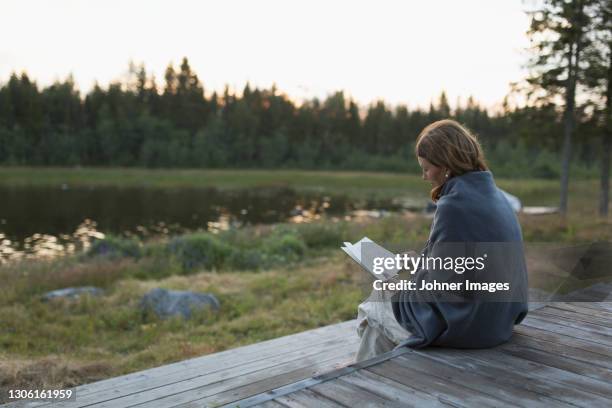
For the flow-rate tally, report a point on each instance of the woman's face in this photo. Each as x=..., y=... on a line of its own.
x=434, y=174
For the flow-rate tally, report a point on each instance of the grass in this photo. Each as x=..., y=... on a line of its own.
x=355, y=184
x=300, y=281
x=165, y=178
x=65, y=343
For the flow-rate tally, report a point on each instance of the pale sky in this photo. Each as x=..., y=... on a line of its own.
x=402, y=51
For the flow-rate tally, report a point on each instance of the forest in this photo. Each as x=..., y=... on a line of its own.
x=178, y=124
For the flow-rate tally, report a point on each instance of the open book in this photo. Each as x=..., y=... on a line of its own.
x=365, y=251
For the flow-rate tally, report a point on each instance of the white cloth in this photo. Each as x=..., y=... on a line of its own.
x=377, y=327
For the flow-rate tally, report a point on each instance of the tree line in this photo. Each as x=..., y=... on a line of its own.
x=136, y=122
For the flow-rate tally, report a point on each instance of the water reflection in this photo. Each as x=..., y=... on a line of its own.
x=40, y=221
x=314, y=211
x=46, y=246
x=224, y=223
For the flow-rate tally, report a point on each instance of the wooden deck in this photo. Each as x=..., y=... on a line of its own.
x=561, y=355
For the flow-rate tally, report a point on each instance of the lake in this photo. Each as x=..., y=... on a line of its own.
x=46, y=221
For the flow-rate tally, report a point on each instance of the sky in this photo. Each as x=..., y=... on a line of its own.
x=401, y=51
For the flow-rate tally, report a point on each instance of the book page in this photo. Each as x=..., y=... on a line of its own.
x=364, y=252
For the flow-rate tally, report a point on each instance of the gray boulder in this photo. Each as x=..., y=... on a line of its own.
x=166, y=303
x=72, y=293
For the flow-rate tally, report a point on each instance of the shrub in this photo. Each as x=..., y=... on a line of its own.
x=199, y=251
x=242, y=259
x=284, y=248
x=320, y=235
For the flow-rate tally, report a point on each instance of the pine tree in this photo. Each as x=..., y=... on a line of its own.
x=443, y=107
x=558, y=34
x=599, y=78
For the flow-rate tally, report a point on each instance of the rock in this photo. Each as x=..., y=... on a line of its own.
x=72, y=293
x=166, y=303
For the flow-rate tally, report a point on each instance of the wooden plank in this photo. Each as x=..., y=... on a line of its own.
x=555, y=360
x=590, y=294
x=220, y=371
x=445, y=391
x=535, y=305
x=224, y=367
x=392, y=390
x=307, y=399
x=567, y=330
x=607, y=306
x=474, y=380
x=497, y=374
x=272, y=404
x=553, y=337
x=602, y=290
x=252, y=352
x=310, y=382
x=569, y=379
x=350, y=395
x=579, y=314
x=563, y=350
x=221, y=378
x=584, y=295
x=577, y=324
x=580, y=308
x=189, y=391
x=255, y=388
x=269, y=383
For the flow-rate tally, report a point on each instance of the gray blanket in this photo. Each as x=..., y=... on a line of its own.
x=472, y=218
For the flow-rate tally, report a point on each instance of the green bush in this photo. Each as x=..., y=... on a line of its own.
x=246, y=259
x=199, y=251
x=243, y=249
x=284, y=248
x=321, y=235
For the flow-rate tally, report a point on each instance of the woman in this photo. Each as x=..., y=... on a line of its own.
x=472, y=219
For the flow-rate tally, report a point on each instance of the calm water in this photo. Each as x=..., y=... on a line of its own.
x=43, y=221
